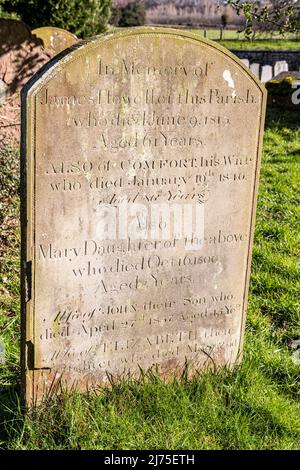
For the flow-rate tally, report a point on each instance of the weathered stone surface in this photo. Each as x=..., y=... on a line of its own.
x=246, y=62
x=21, y=54
x=147, y=116
x=293, y=75
x=266, y=73
x=255, y=69
x=55, y=39
x=13, y=33
x=280, y=66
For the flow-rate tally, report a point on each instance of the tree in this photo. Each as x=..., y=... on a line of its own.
x=115, y=15
x=224, y=21
x=131, y=14
x=280, y=15
x=82, y=17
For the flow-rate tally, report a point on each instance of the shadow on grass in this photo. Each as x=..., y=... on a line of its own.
x=11, y=416
x=260, y=426
x=279, y=118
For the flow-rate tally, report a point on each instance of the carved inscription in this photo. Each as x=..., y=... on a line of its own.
x=129, y=138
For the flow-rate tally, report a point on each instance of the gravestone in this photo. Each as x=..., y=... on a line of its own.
x=55, y=39
x=21, y=55
x=138, y=209
x=255, y=69
x=280, y=66
x=266, y=73
x=12, y=33
x=294, y=75
x=246, y=62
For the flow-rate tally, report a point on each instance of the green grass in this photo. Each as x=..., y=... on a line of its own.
x=235, y=40
x=255, y=406
x=269, y=44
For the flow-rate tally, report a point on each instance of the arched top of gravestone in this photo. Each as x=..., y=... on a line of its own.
x=21, y=54
x=13, y=32
x=56, y=39
x=83, y=49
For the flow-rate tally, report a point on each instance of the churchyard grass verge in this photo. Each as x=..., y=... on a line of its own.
x=235, y=40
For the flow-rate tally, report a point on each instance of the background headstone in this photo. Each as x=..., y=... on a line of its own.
x=266, y=73
x=13, y=32
x=56, y=39
x=293, y=75
x=255, y=69
x=280, y=66
x=21, y=54
x=126, y=141
x=245, y=62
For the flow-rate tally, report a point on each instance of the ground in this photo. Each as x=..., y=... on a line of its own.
x=235, y=40
x=255, y=406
